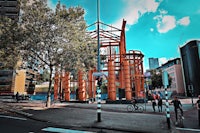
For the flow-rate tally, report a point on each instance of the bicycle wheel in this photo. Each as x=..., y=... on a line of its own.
x=129, y=108
x=140, y=108
x=180, y=121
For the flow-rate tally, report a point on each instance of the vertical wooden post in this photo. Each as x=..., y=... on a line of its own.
x=128, y=90
x=67, y=86
x=56, y=81
x=111, y=80
x=82, y=87
x=90, y=84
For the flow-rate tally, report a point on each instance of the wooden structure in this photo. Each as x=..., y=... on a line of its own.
x=125, y=68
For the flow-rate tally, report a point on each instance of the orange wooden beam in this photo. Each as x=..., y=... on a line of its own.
x=56, y=82
x=67, y=86
x=111, y=81
x=82, y=87
x=128, y=90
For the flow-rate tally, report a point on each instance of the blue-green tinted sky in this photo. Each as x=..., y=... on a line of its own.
x=155, y=27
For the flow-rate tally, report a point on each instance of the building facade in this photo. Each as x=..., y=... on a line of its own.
x=23, y=79
x=6, y=81
x=153, y=63
x=9, y=8
x=190, y=56
x=174, y=69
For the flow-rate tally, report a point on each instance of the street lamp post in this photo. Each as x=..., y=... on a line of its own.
x=98, y=67
x=98, y=38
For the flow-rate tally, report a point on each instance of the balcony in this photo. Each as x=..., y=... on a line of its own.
x=9, y=3
x=9, y=10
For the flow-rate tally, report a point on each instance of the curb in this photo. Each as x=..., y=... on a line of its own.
x=31, y=116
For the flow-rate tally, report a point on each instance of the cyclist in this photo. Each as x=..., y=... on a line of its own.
x=134, y=102
x=177, y=105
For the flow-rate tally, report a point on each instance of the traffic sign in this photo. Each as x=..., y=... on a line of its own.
x=165, y=78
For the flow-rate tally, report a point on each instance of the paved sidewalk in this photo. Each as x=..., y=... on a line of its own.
x=114, y=116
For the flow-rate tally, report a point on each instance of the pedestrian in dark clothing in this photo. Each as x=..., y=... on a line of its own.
x=160, y=105
x=153, y=105
x=198, y=108
x=17, y=96
x=177, y=105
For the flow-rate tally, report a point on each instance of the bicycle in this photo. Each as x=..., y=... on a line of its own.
x=137, y=107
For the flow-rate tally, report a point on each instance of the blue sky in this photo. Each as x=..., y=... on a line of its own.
x=155, y=27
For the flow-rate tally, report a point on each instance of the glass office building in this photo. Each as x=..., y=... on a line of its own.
x=190, y=55
x=153, y=63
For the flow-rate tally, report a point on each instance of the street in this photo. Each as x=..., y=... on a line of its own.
x=116, y=121
x=15, y=124
x=80, y=117
x=18, y=124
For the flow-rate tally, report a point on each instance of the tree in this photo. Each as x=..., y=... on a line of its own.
x=55, y=38
x=44, y=76
x=10, y=39
x=156, y=78
x=81, y=50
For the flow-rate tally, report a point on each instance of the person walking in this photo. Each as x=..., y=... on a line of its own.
x=17, y=96
x=160, y=104
x=177, y=105
x=154, y=105
x=198, y=108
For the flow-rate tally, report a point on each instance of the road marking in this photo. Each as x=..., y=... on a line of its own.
x=61, y=130
x=188, y=129
x=11, y=117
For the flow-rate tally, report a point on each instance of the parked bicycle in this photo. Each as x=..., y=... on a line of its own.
x=135, y=108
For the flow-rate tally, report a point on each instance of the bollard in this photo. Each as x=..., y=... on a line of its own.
x=167, y=108
x=98, y=104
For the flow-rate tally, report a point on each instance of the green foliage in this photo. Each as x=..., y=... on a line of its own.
x=156, y=78
x=60, y=35
x=11, y=36
x=80, y=51
x=44, y=77
x=57, y=39
x=53, y=38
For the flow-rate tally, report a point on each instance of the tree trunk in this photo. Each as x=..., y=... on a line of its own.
x=48, y=103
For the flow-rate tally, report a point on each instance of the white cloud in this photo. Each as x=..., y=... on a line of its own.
x=135, y=9
x=163, y=11
x=165, y=23
x=151, y=29
x=162, y=60
x=184, y=21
